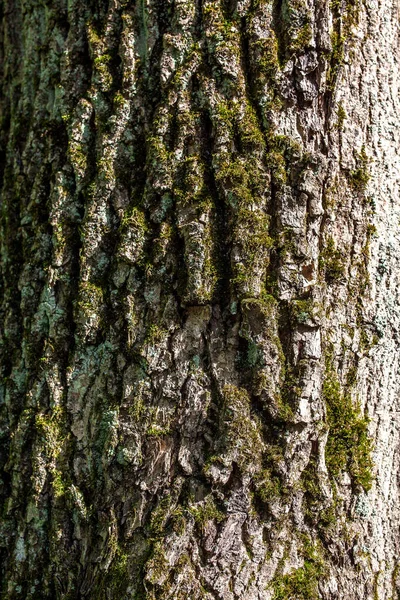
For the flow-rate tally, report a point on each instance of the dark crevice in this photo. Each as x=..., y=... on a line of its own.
x=280, y=29
x=229, y=8
x=151, y=73
x=221, y=235
x=213, y=415
x=248, y=75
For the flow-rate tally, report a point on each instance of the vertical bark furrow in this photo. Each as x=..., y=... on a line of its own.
x=194, y=328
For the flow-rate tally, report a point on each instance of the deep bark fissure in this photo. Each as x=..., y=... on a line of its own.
x=194, y=328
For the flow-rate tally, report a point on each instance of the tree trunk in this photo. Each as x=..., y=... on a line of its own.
x=200, y=249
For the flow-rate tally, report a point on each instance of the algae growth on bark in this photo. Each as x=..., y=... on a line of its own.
x=199, y=299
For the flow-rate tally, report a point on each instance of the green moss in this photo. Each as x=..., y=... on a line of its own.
x=101, y=67
x=136, y=218
x=268, y=486
x=348, y=447
x=285, y=411
x=59, y=237
x=290, y=391
x=117, y=578
x=155, y=430
x=206, y=511
x=341, y=116
x=93, y=37
x=249, y=131
x=189, y=188
x=105, y=166
x=331, y=261
x=351, y=376
x=285, y=244
x=119, y=101
x=209, y=275
x=242, y=183
x=178, y=520
x=314, y=498
x=330, y=197
x=240, y=428
x=337, y=57
x=234, y=178
x=77, y=156
x=155, y=334
x=265, y=52
x=51, y=432
x=302, y=583
x=159, y=516
x=376, y=585
x=203, y=268
x=350, y=16
x=262, y=313
x=302, y=38
x=102, y=60
x=166, y=232
x=157, y=565
x=327, y=519
x=293, y=28
x=256, y=224
x=360, y=177
x=345, y=17
x=157, y=151
x=310, y=482
x=254, y=242
x=395, y=576
x=90, y=297
x=283, y=152
x=137, y=408
x=305, y=310
x=59, y=484
x=225, y=114
x=166, y=518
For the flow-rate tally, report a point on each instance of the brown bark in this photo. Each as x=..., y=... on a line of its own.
x=194, y=328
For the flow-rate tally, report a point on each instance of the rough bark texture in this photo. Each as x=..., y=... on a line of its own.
x=199, y=395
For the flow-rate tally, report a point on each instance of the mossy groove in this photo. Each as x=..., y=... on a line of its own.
x=156, y=325
x=349, y=446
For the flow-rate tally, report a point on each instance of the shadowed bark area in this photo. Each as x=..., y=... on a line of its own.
x=197, y=331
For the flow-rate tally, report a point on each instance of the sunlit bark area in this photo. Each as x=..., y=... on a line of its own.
x=199, y=311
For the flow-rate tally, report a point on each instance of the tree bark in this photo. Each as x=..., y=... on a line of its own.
x=199, y=331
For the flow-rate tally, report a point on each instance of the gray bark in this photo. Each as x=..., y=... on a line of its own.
x=199, y=299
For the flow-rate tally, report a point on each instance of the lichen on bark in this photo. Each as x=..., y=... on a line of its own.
x=188, y=207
